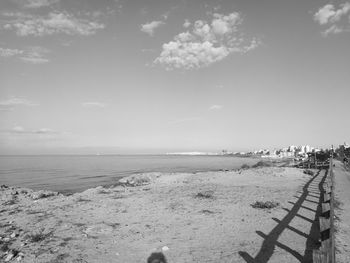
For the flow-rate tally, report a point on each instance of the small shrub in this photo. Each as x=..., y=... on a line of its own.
x=38, y=237
x=103, y=192
x=15, y=211
x=10, y=202
x=79, y=224
x=309, y=172
x=66, y=239
x=60, y=258
x=205, y=194
x=265, y=205
x=261, y=164
x=4, y=247
x=117, y=196
x=81, y=199
x=114, y=225
x=245, y=166
x=174, y=205
x=206, y=211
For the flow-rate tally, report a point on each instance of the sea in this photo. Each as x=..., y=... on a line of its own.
x=76, y=173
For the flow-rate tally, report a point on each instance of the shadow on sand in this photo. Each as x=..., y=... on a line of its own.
x=271, y=240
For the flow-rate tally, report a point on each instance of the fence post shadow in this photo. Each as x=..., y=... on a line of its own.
x=271, y=240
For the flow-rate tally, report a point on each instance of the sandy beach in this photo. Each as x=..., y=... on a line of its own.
x=191, y=217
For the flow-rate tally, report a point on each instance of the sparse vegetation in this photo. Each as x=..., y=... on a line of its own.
x=66, y=239
x=79, y=224
x=4, y=247
x=10, y=202
x=59, y=258
x=262, y=164
x=103, y=191
x=206, y=211
x=114, y=225
x=15, y=211
x=38, y=237
x=33, y=212
x=245, y=166
x=205, y=194
x=118, y=196
x=81, y=199
x=265, y=204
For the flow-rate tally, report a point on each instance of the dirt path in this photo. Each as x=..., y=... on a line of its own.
x=342, y=212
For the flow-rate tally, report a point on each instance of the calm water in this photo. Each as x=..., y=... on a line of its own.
x=77, y=173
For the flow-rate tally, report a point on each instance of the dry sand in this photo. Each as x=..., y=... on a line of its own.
x=342, y=213
x=125, y=224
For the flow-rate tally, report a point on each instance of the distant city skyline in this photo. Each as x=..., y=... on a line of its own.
x=157, y=76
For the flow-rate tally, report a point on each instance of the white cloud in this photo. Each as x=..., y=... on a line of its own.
x=147, y=50
x=10, y=104
x=324, y=14
x=35, y=3
x=44, y=131
x=35, y=60
x=20, y=130
x=8, y=52
x=93, y=105
x=330, y=16
x=166, y=15
x=206, y=43
x=16, y=15
x=215, y=107
x=334, y=29
x=149, y=28
x=53, y=23
x=35, y=55
x=222, y=25
x=187, y=23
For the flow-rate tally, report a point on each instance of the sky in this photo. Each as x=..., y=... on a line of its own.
x=155, y=76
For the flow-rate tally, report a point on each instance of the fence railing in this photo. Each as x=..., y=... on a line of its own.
x=326, y=253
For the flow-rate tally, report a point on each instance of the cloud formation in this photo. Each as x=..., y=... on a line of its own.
x=33, y=55
x=8, y=52
x=329, y=16
x=21, y=130
x=93, y=105
x=215, y=107
x=149, y=28
x=205, y=43
x=35, y=3
x=10, y=104
x=53, y=23
x=187, y=23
